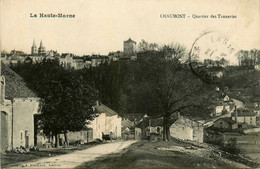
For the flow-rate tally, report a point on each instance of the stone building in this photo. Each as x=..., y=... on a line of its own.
x=66, y=60
x=245, y=117
x=34, y=48
x=107, y=122
x=187, y=129
x=41, y=49
x=180, y=127
x=37, y=55
x=224, y=106
x=18, y=106
x=225, y=123
x=130, y=47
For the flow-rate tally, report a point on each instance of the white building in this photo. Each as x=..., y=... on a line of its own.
x=246, y=117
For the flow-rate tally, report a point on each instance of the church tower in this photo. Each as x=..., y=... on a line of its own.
x=34, y=48
x=41, y=49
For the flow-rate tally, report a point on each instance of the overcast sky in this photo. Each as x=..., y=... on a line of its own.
x=100, y=27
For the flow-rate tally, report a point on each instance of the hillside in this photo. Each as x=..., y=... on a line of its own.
x=172, y=154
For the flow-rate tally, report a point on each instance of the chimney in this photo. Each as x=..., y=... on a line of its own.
x=2, y=88
x=178, y=115
x=236, y=114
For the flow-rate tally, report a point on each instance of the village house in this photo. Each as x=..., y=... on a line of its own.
x=128, y=129
x=36, y=58
x=18, y=107
x=225, y=123
x=128, y=133
x=52, y=55
x=66, y=60
x=180, y=127
x=245, y=117
x=187, y=129
x=107, y=122
x=133, y=117
x=13, y=58
x=224, y=105
x=254, y=107
x=114, y=56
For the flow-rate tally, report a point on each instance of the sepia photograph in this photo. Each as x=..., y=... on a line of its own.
x=130, y=84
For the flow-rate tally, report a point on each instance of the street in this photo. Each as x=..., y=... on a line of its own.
x=78, y=157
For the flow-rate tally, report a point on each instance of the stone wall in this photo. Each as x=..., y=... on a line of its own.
x=253, y=130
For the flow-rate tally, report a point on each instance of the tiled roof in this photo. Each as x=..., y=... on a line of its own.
x=250, y=105
x=63, y=55
x=129, y=40
x=245, y=113
x=156, y=122
x=228, y=120
x=104, y=109
x=15, y=86
x=127, y=123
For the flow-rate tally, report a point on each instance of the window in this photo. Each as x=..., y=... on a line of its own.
x=21, y=136
x=221, y=124
x=26, y=133
x=158, y=129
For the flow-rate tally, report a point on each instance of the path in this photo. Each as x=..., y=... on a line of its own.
x=77, y=158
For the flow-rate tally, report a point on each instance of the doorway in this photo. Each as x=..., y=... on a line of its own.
x=26, y=134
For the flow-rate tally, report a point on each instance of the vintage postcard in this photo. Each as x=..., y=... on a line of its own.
x=130, y=83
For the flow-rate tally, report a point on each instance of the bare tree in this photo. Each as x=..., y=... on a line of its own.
x=170, y=85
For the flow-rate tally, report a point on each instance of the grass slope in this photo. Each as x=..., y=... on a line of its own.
x=174, y=154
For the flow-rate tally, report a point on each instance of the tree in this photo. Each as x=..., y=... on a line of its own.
x=223, y=62
x=143, y=46
x=66, y=99
x=109, y=81
x=168, y=86
x=248, y=58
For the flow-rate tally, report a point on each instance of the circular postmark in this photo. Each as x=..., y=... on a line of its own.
x=210, y=54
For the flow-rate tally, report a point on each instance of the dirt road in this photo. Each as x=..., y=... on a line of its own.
x=78, y=157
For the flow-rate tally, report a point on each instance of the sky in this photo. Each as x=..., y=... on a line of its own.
x=101, y=26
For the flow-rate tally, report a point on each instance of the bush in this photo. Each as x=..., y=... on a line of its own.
x=231, y=146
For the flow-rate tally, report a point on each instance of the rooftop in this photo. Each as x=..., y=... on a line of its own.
x=15, y=86
x=228, y=120
x=245, y=113
x=129, y=40
x=104, y=109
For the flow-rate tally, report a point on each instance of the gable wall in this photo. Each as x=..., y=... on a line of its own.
x=23, y=119
x=181, y=130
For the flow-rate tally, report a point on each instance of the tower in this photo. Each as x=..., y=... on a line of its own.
x=34, y=48
x=129, y=47
x=41, y=49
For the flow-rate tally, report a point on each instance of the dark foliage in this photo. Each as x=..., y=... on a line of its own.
x=66, y=99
